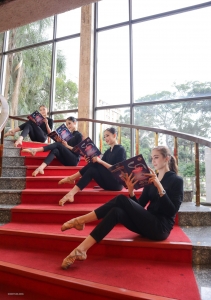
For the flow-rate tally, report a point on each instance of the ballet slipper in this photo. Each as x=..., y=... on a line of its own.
x=66, y=198
x=76, y=254
x=66, y=180
x=9, y=133
x=37, y=171
x=73, y=223
x=30, y=150
x=18, y=142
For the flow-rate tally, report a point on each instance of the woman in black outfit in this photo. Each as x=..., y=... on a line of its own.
x=164, y=194
x=97, y=169
x=62, y=151
x=35, y=132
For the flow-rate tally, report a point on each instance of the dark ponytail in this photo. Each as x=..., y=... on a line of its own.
x=73, y=119
x=164, y=151
x=111, y=130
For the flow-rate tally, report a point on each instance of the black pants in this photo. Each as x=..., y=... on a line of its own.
x=133, y=216
x=35, y=133
x=64, y=155
x=101, y=175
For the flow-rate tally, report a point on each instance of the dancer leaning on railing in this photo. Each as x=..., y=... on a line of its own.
x=164, y=195
x=97, y=169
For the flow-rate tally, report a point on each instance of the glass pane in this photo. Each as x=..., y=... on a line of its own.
x=67, y=74
x=169, y=60
x=146, y=8
x=69, y=22
x=1, y=41
x=27, y=81
x=116, y=115
x=112, y=12
x=113, y=81
x=30, y=34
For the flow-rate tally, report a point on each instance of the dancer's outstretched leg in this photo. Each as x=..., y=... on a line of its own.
x=33, y=151
x=79, y=222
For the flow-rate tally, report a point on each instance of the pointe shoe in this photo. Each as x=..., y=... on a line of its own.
x=72, y=224
x=9, y=133
x=37, y=171
x=66, y=180
x=18, y=142
x=69, y=260
x=65, y=199
x=29, y=150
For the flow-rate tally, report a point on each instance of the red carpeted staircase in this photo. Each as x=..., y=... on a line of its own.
x=123, y=266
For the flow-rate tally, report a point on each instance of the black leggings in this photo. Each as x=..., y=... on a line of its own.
x=64, y=155
x=35, y=133
x=101, y=175
x=132, y=215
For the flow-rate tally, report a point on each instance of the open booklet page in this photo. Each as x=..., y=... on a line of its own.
x=135, y=165
x=87, y=148
x=62, y=133
x=36, y=117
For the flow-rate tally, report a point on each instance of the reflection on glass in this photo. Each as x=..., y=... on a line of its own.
x=33, y=33
x=146, y=8
x=169, y=58
x=113, y=81
x=116, y=115
x=112, y=12
x=27, y=82
x=69, y=22
x=1, y=41
x=67, y=74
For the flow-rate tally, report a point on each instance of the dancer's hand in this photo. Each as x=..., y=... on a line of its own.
x=153, y=178
x=65, y=143
x=130, y=181
x=45, y=120
x=96, y=159
x=87, y=159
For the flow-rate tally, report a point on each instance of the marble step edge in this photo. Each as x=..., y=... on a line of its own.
x=13, y=161
x=14, y=183
x=10, y=171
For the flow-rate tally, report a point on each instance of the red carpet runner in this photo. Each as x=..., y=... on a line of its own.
x=123, y=266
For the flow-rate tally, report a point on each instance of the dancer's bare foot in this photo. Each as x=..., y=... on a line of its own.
x=9, y=133
x=73, y=223
x=19, y=141
x=38, y=171
x=67, y=180
x=76, y=254
x=32, y=151
x=68, y=197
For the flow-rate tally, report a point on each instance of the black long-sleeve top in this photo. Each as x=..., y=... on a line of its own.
x=42, y=126
x=165, y=207
x=75, y=140
x=115, y=156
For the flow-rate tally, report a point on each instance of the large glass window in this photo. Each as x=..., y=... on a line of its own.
x=1, y=41
x=146, y=8
x=112, y=12
x=113, y=72
x=67, y=74
x=169, y=56
x=27, y=82
x=30, y=34
x=68, y=23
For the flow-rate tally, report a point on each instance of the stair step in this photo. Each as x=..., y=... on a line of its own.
x=53, y=170
x=11, y=171
x=52, y=196
x=118, y=243
x=47, y=182
x=9, y=183
x=47, y=285
x=10, y=197
x=192, y=215
x=39, y=158
x=14, y=161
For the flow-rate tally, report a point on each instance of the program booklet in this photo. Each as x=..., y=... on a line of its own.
x=86, y=148
x=62, y=133
x=36, y=117
x=135, y=165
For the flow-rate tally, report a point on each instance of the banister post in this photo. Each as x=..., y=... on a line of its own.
x=176, y=149
x=101, y=138
x=156, y=138
x=1, y=150
x=119, y=135
x=137, y=142
x=197, y=180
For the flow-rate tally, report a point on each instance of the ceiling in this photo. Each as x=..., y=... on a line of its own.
x=15, y=13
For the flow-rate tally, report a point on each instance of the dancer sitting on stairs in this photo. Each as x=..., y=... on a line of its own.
x=164, y=194
x=62, y=151
x=36, y=133
x=97, y=169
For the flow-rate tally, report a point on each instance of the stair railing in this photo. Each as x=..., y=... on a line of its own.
x=197, y=140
